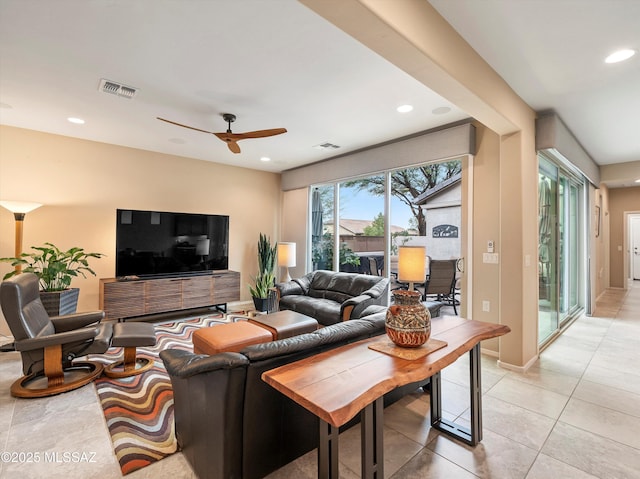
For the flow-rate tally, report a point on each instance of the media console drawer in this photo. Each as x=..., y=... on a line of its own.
x=126, y=299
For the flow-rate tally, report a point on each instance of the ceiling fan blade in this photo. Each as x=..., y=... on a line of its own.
x=230, y=139
x=260, y=133
x=233, y=146
x=184, y=126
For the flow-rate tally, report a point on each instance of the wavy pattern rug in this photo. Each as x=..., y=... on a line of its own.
x=139, y=409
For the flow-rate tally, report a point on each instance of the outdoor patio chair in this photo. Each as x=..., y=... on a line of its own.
x=441, y=281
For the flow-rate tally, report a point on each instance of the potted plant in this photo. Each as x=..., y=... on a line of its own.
x=55, y=269
x=265, y=279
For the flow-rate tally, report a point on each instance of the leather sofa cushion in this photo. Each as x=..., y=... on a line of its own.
x=340, y=287
x=337, y=335
x=325, y=311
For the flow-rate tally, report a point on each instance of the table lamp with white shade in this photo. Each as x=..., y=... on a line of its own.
x=412, y=264
x=286, y=258
x=19, y=210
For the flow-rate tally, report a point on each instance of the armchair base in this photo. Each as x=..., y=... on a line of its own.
x=39, y=385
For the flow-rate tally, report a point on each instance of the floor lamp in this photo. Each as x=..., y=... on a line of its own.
x=19, y=210
x=286, y=258
x=412, y=264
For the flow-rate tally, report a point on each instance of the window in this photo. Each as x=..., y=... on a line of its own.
x=373, y=215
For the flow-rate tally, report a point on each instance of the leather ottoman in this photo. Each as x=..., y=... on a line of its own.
x=225, y=338
x=285, y=324
x=129, y=336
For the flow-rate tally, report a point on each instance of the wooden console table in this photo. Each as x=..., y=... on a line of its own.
x=126, y=299
x=337, y=384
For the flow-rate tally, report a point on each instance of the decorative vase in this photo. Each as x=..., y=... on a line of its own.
x=408, y=321
x=59, y=303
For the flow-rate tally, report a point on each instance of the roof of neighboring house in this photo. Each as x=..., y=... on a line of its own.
x=439, y=188
x=356, y=227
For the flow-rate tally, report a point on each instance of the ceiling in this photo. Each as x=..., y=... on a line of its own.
x=277, y=64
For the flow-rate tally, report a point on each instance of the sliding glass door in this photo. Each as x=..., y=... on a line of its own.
x=561, y=252
x=547, y=250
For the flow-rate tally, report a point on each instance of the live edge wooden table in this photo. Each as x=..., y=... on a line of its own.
x=335, y=385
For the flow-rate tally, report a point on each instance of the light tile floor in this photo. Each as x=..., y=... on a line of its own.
x=574, y=414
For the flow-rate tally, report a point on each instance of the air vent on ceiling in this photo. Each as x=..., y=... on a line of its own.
x=325, y=146
x=108, y=86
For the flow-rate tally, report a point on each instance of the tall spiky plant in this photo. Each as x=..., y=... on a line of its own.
x=266, y=276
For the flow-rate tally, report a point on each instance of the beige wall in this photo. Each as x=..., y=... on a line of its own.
x=486, y=226
x=82, y=183
x=620, y=173
x=294, y=226
x=601, y=242
x=621, y=201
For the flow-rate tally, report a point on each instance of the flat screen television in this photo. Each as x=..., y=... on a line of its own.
x=157, y=243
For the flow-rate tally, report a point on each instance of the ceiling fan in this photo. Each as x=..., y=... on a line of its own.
x=232, y=138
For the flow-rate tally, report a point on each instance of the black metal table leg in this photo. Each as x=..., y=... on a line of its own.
x=372, y=430
x=475, y=384
x=469, y=436
x=328, y=451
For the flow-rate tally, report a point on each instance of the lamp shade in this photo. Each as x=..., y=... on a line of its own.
x=286, y=254
x=412, y=264
x=20, y=206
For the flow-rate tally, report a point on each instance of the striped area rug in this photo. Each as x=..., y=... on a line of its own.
x=139, y=409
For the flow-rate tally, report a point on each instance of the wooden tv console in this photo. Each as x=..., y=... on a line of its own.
x=130, y=298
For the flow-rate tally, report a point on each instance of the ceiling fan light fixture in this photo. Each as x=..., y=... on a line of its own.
x=620, y=56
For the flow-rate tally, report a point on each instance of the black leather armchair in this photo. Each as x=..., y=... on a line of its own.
x=47, y=345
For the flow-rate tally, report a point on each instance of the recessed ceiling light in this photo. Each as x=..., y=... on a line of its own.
x=441, y=110
x=638, y=180
x=620, y=56
x=265, y=158
x=404, y=108
x=77, y=121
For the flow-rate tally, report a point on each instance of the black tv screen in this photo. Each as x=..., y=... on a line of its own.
x=155, y=243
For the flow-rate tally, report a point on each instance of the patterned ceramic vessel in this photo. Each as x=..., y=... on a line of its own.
x=408, y=321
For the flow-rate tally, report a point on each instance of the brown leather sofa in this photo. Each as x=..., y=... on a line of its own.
x=230, y=424
x=330, y=297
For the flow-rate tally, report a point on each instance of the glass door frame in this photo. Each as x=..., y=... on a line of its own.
x=568, y=254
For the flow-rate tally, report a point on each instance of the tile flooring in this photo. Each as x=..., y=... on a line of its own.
x=574, y=414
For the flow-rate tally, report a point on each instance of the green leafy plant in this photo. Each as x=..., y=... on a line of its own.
x=55, y=268
x=266, y=276
x=322, y=253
